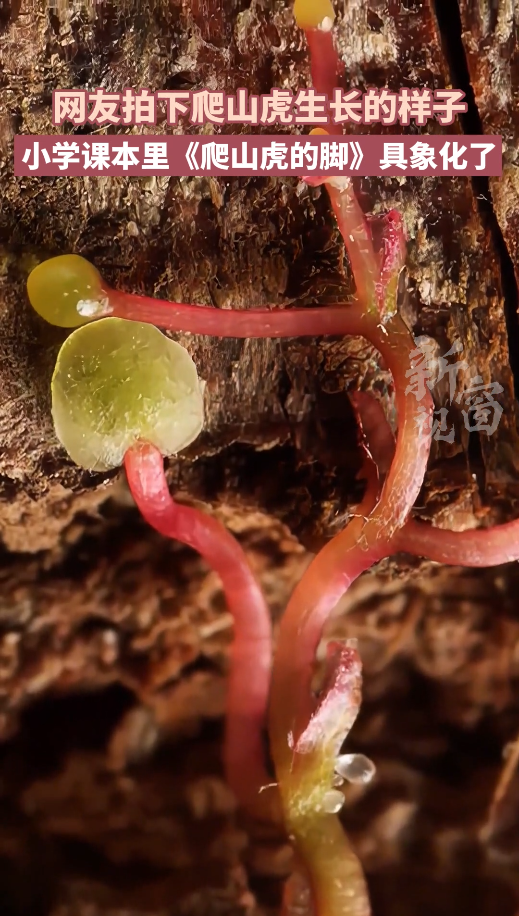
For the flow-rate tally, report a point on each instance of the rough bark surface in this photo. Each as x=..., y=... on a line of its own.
x=490, y=41
x=113, y=644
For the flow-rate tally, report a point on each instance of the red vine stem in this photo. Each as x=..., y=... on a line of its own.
x=249, y=675
x=392, y=339
x=324, y=64
x=261, y=322
x=481, y=547
x=365, y=541
x=338, y=884
x=339, y=563
x=357, y=238
x=491, y=546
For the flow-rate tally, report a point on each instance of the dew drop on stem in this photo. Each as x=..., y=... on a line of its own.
x=356, y=768
x=333, y=801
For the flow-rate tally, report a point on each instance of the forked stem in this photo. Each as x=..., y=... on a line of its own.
x=356, y=549
x=491, y=546
x=392, y=339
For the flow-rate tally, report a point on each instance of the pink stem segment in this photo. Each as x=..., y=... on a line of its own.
x=201, y=319
x=325, y=581
x=392, y=339
x=364, y=541
x=337, y=884
x=325, y=66
x=252, y=646
x=481, y=547
x=357, y=239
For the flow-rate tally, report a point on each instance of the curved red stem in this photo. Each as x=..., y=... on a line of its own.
x=252, y=646
x=474, y=548
x=481, y=547
x=392, y=339
x=354, y=550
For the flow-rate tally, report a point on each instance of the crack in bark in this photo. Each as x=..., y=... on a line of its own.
x=450, y=28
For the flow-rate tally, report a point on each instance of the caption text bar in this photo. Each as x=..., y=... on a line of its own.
x=258, y=155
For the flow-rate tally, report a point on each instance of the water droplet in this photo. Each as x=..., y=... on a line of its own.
x=356, y=768
x=333, y=801
x=93, y=308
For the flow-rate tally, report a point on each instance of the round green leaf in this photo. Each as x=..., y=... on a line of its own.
x=67, y=291
x=117, y=382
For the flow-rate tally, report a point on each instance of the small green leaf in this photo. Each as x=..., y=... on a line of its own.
x=67, y=291
x=117, y=382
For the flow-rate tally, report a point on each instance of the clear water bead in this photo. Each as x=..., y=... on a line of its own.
x=333, y=801
x=356, y=768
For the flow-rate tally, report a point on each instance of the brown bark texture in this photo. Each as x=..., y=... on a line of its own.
x=113, y=643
